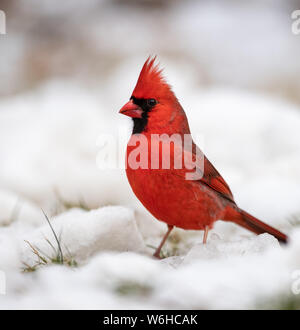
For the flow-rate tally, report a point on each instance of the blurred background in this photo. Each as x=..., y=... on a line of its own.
x=68, y=66
x=236, y=43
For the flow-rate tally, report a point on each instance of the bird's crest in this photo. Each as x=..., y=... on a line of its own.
x=151, y=83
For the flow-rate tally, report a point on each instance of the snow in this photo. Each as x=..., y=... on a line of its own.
x=113, y=228
x=48, y=161
x=215, y=281
x=13, y=207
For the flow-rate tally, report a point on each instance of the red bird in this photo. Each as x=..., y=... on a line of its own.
x=168, y=192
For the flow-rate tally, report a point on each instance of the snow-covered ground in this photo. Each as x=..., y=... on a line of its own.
x=49, y=146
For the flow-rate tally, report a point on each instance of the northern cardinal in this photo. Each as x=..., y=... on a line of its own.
x=167, y=193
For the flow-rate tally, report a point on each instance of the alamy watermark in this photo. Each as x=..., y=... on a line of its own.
x=2, y=22
x=152, y=151
x=296, y=24
x=2, y=283
x=296, y=282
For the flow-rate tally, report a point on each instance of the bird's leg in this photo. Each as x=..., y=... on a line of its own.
x=157, y=252
x=205, y=234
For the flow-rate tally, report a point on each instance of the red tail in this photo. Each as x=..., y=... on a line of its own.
x=251, y=223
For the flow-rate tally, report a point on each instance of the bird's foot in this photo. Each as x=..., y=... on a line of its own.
x=157, y=255
x=157, y=252
x=205, y=234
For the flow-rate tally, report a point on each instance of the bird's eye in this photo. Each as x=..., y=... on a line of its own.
x=151, y=102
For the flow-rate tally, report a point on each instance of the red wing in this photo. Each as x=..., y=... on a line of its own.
x=211, y=176
x=213, y=179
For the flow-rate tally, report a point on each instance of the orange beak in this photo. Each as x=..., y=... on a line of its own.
x=132, y=110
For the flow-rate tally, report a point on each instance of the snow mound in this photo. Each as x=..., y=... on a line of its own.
x=244, y=246
x=110, y=280
x=83, y=234
x=13, y=208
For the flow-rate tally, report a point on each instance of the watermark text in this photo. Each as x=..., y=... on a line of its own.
x=154, y=151
x=296, y=24
x=2, y=22
x=2, y=283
